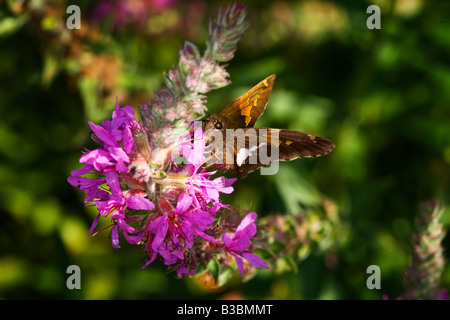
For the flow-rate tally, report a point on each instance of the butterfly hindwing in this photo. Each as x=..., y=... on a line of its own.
x=257, y=147
x=296, y=144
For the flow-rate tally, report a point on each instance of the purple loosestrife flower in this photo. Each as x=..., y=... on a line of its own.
x=117, y=141
x=193, y=180
x=238, y=244
x=172, y=233
x=175, y=227
x=110, y=157
x=422, y=278
x=194, y=152
x=116, y=138
x=129, y=12
x=90, y=186
x=116, y=204
x=169, y=208
x=202, y=189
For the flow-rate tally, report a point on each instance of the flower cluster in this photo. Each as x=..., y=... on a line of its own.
x=183, y=99
x=128, y=12
x=422, y=278
x=149, y=176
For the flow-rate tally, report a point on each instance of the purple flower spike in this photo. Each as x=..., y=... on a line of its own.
x=169, y=208
x=237, y=244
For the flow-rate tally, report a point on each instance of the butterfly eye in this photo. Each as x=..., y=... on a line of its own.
x=218, y=125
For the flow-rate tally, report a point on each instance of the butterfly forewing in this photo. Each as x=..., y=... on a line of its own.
x=245, y=110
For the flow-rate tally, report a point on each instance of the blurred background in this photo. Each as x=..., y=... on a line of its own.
x=381, y=95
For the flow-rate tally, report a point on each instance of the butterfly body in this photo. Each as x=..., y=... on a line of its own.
x=242, y=148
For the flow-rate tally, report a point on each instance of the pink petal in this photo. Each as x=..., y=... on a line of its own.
x=116, y=109
x=115, y=236
x=178, y=254
x=249, y=219
x=184, y=203
x=255, y=260
x=118, y=154
x=162, y=226
x=127, y=140
x=123, y=225
x=99, y=158
x=133, y=239
x=244, y=232
x=230, y=181
x=94, y=224
x=128, y=112
x=140, y=203
x=112, y=179
x=226, y=238
x=203, y=235
x=74, y=181
x=240, y=264
x=154, y=254
x=86, y=169
x=239, y=245
x=121, y=167
x=103, y=134
x=212, y=193
x=226, y=190
x=200, y=218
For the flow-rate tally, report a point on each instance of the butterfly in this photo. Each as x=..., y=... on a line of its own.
x=240, y=147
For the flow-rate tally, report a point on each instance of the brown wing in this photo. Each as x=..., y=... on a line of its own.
x=260, y=146
x=296, y=144
x=245, y=110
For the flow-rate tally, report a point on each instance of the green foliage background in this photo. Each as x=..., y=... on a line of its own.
x=381, y=95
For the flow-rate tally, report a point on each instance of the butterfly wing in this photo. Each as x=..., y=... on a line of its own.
x=245, y=110
x=247, y=149
x=257, y=147
x=296, y=144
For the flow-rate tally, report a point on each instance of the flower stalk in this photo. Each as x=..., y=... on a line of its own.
x=422, y=278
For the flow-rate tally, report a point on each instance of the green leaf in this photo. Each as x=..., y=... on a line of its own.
x=89, y=90
x=263, y=253
x=11, y=25
x=52, y=65
x=295, y=190
x=304, y=252
x=214, y=268
x=277, y=247
x=225, y=276
x=291, y=263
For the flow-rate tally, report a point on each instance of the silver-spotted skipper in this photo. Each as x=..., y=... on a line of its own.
x=241, y=148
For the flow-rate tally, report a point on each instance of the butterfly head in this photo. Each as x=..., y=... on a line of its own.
x=212, y=125
x=214, y=122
